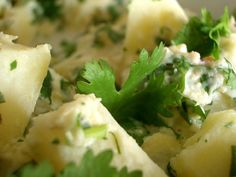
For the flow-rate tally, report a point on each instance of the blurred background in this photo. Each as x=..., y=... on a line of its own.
x=214, y=6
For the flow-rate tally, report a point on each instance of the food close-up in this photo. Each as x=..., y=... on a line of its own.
x=117, y=88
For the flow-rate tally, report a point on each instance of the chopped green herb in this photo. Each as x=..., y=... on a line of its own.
x=116, y=142
x=205, y=82
x=229, y=75
x=64, y=85
x=113, y=12
x=46, y=90
x=2, y=99
x=233, y=161
x=56, y=141
x=68, y=47
x=107, y=30
x=13, y=65
x=49, y=9
x=229, y=124
x=203, y=34
x=98, y=131
x=90, y=166
x=190, y=107
x=171, y=171
x=136, y=129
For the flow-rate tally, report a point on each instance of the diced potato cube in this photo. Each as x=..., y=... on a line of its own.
x=22, y=71
x=59, y=137
x=208, y=152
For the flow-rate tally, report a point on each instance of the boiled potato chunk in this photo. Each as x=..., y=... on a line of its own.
x=208, y=152
x=161, y=146
x=57, y=137
x=150, y=19
x=22, y=71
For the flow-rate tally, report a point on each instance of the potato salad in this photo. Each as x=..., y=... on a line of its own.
x=116, y=88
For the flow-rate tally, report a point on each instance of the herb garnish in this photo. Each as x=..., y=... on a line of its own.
x=13, y=65
x=91, y=165
x=203, y=34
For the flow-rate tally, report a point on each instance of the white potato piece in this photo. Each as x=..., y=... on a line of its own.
x=149, y=19
x=161, y=147
x=13, y=156
x=19, y=22
x=56, y=136
x=208, y=152
x=19, y=85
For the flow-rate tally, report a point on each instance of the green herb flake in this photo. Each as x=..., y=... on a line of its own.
x=68, y=47
x=106, y=30
x=116, y=142
x=205, y=82
x=46, y=90
x=171, y=172
x=233, y=161
x=113, y=12
x=13, y=65
x=229, y=124
x=55, y=141
x=49, y=9
x=97, y=131
x=2, y=99
x=229, y=75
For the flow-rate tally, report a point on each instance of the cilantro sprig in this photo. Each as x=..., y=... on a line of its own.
x=99, y=79
x=90, y=166
x=202, y=34
x=152, y=92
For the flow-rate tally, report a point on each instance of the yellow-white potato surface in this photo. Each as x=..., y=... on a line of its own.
x=19, y=85
x=208, y=152
x=149, y=19
x=161, y=147
x=61, y=125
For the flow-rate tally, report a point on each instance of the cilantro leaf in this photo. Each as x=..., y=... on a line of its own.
x=43, y=169
x=90, y=166
x=46, y=90
x=203, y=34
x=151, y=93
x=99, y=79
